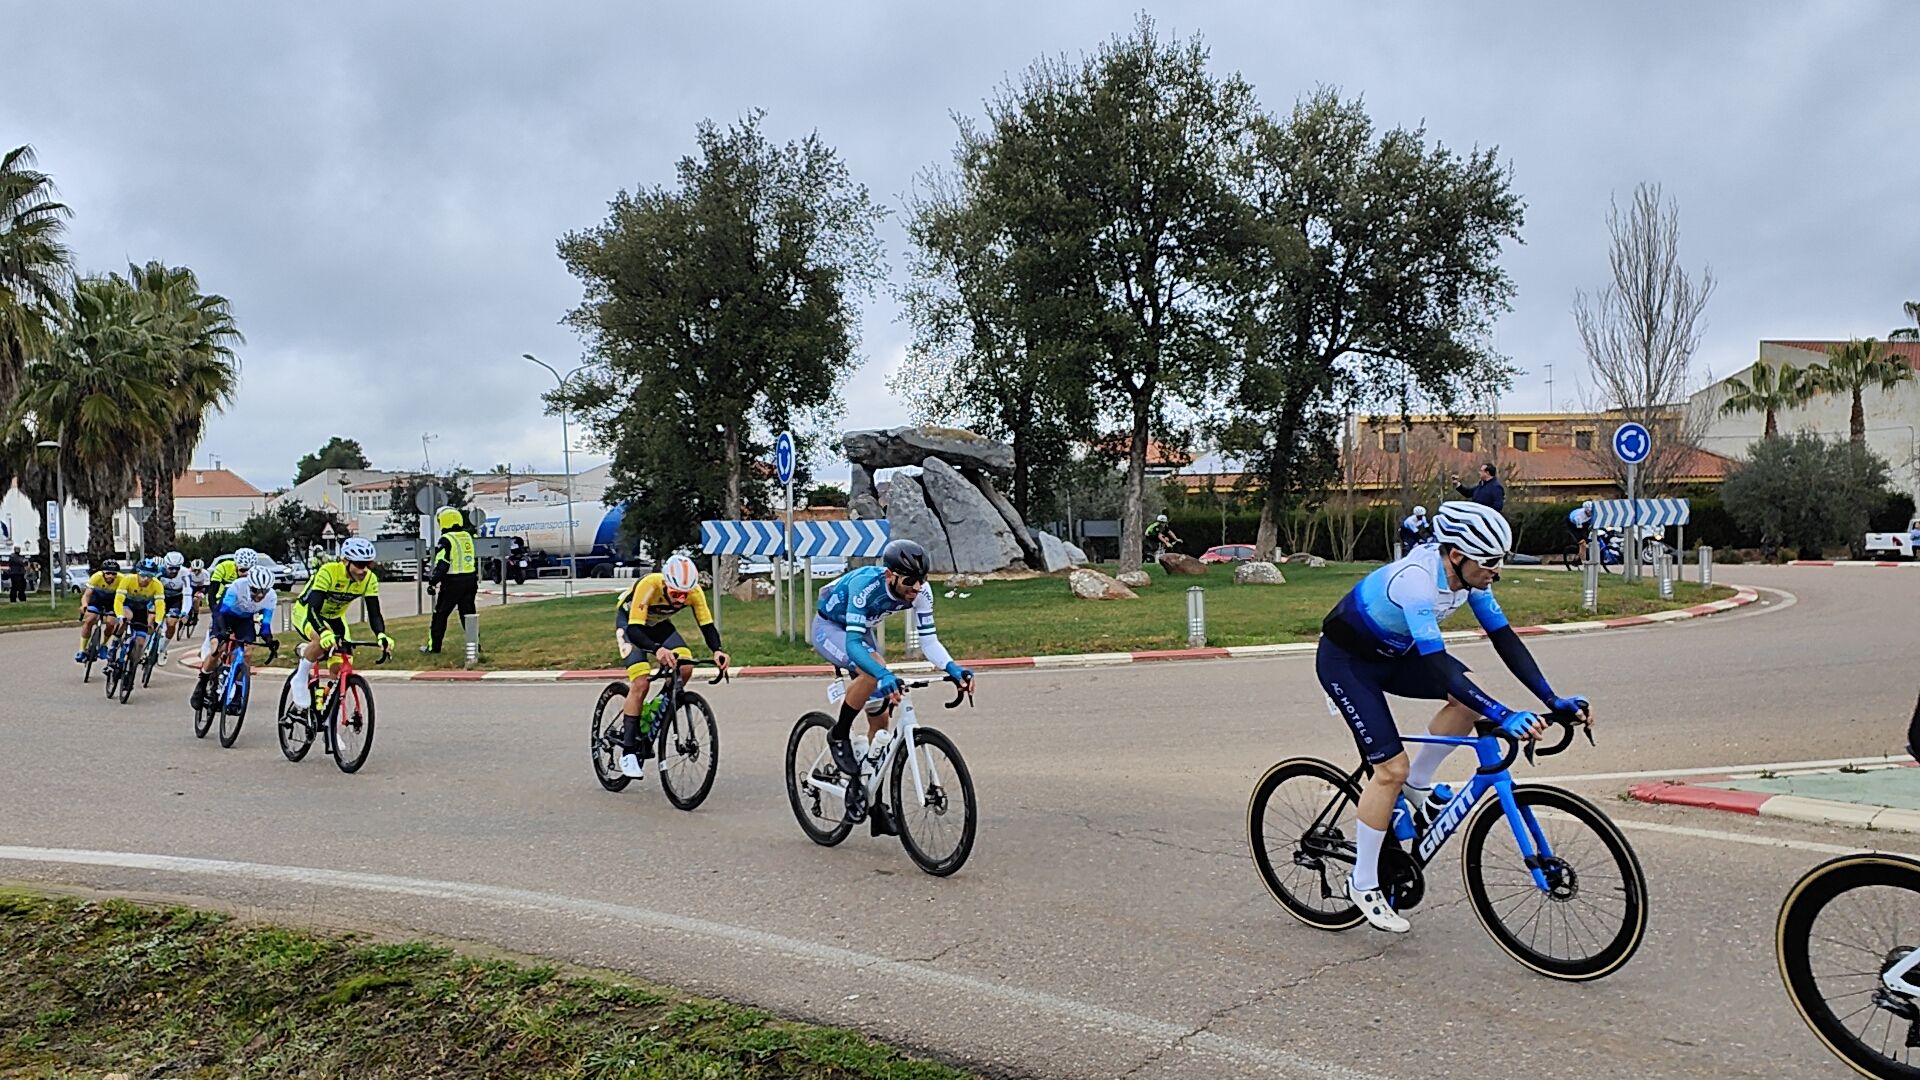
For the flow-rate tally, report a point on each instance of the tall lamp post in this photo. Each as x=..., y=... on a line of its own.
x=59, y=579
x=566, y=457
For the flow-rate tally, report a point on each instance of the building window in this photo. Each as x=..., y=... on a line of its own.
x=1463, y=441
x=1583, y=439
x=1390, y=441
x=1520, y=440
x=216, y=517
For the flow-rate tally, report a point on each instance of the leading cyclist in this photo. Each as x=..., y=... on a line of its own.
x=1383, y=638
x=319, y=614
x=843, y=633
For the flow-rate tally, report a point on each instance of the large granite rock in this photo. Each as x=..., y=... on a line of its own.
x=895, y=447
x=1055, y=554
x=1175, y=563
x=1029, y=551
x=1094, y=585
x=1134, y=579
x=910, y=518
x=752, y=589
x=978, y=535
x=1258, y=573
x=863, y=498
x=1075, y=553
x=965, y=581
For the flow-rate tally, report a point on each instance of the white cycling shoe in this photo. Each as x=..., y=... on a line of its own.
x=1373, y=904
x=632, y=767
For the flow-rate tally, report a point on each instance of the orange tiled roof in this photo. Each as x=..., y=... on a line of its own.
x=213, y=484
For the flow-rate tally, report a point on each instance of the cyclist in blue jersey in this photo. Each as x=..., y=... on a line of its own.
x=1383, y=638
x=842, y=632
x=245, y=610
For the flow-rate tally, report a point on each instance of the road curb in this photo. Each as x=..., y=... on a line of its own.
x=1740, y=599
x=18, y=628
x=1856, y=564
x=1787, y=807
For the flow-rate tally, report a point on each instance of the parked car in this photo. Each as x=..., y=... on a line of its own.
x=823, y=568
x=1225, y=553
x=285, y=576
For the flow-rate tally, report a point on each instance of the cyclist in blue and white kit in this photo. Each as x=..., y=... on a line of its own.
x=1383, y=638
x=842, y=632
x=245, y=610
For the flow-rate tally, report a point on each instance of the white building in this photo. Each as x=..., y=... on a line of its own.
x=329, y=489
x=1893, y=418
x=206, y=500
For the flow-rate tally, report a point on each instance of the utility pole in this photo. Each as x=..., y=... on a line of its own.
x=426, y=459
x=1549, y=386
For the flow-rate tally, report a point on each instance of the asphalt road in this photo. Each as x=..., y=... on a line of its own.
x=1110, y=922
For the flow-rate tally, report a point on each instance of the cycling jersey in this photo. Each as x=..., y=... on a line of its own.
x=655, y=625
x=331, y=590
x=179, y=592
x=1398, y=608
x=137, y=598
x=100, y=591
x=221, y=574
x=239, y=612
x=851, y=606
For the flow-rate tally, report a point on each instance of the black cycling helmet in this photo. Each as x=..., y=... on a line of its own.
x=906, y=558
x=109, y=567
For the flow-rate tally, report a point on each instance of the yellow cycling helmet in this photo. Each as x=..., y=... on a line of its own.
x=450, y=518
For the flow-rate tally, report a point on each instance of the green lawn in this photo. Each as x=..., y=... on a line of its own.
x=91, y=988
x=1026, y=618
x=35, y=609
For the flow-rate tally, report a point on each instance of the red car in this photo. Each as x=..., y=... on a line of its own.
x=1228, y=553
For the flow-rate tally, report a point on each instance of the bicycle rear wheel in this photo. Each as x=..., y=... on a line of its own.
x=1301, y=824
x=296, y=737
x=150, y=658
x=822, y=816
x=1594, y=914
x=351, y=720
x=938, y=817
x=233, y=712
x=1843, y=924
x=203, y=715
x=688, y=748
x=127, y=665
x=603, y=741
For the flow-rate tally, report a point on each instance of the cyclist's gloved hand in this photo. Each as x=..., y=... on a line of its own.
x=386, y=643
x=1573, y=704
x=327, y=640
x=888, y=685
x=1522, y=725
x=959, y=675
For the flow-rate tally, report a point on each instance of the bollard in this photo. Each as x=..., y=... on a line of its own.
x=1398, y=551
x=472, y=623
x=1196, y=617
x=913, y=635
x=1590, y=585
x=1663, y=573
x=1706, y=566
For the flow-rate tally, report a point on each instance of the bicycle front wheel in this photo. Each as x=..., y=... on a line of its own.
x=1591, y=917
x=688, y=748
x=822, y=816
x=603, y=740
x=1842, y=925
x=935, y=811
x=1301, y=824
x=296, y=737
x=352, y=723
x=233, y=712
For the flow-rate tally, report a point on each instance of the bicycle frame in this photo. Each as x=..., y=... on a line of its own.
x=1895, y=977
x=904, y=726
x=236, y=667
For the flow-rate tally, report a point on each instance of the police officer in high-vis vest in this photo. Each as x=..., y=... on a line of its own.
x=455, y=579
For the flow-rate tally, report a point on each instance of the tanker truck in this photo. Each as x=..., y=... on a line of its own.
x=542, y=528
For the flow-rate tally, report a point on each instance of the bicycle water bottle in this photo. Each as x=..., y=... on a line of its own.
x=879, y=748
x=1402, y=820
x=648, y=710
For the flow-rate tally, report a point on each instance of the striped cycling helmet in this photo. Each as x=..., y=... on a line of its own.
x=1478, y=531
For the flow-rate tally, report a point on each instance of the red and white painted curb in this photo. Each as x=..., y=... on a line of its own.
x=1856, y=564
x=1741, y=598
x=1789, y=807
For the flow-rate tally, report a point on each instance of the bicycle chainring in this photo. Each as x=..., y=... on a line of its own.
x=1401, y=878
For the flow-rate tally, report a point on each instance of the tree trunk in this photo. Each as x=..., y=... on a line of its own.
x=158, y=531
x=1133, y=515
x=1773, y=425
x=1858, y=420
x=726, y=568
x=1266, y=540
x=99, y=535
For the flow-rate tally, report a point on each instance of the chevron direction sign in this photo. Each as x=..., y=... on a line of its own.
x=863, y=539
x=1653, y=513
x=740, y=537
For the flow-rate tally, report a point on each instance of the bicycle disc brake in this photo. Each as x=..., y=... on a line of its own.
x=1401, y=878
x=1563, y=882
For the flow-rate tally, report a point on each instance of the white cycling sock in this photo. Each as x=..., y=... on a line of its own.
x=302, y=693
x=1366, y=856
x=1426, y=760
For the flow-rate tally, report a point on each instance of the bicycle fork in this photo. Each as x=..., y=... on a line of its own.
x=1535, y=851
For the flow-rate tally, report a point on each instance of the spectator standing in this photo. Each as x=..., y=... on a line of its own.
x=1488, y=492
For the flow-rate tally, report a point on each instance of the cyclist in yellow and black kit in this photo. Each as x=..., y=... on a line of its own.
x=643, y=621
x=319, y=614
x=139, y=603
x=96, y=603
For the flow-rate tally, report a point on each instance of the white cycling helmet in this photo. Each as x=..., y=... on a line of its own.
x=1162, y=519
x=260, y=578
x=176, y=560
x=199, y=564
x=680, y=574
x=1478, y=531
x=1419, y=511
x=243, y=559
x=357, y=549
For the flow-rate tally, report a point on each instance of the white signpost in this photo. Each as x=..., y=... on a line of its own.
x=1631, y=444
x=783, y=572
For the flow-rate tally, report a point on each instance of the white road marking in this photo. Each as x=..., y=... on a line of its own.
x=1158, y=1033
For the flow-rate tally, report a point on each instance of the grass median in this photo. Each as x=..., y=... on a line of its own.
x=34, y=609
x=1033, y=617
x=99, y=988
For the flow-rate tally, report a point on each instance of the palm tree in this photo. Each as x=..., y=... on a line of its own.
x=34, y=266
x=1909, y=333
x=1767, y=389
x=100, y=391
x=1853, y=368
x=193, y=337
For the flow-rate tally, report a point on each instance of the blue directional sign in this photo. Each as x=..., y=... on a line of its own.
x=862, y=539
x=741, y=538
x=783, y=457
x=1644, y=513
x=1632, y=443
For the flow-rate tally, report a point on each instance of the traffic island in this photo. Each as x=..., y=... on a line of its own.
x=1878, y=794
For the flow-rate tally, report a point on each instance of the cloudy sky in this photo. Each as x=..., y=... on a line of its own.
x=378, y=186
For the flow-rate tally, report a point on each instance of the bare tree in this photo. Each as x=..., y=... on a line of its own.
x=1640, y=332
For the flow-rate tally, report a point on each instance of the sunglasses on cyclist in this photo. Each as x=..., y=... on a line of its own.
x=359, y=565
x=1491, y=563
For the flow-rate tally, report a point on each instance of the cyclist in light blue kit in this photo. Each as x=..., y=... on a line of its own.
x=843, y=633
x=1383, y=638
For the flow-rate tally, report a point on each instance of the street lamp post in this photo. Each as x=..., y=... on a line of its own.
x=566, y=458
x=60, y=481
